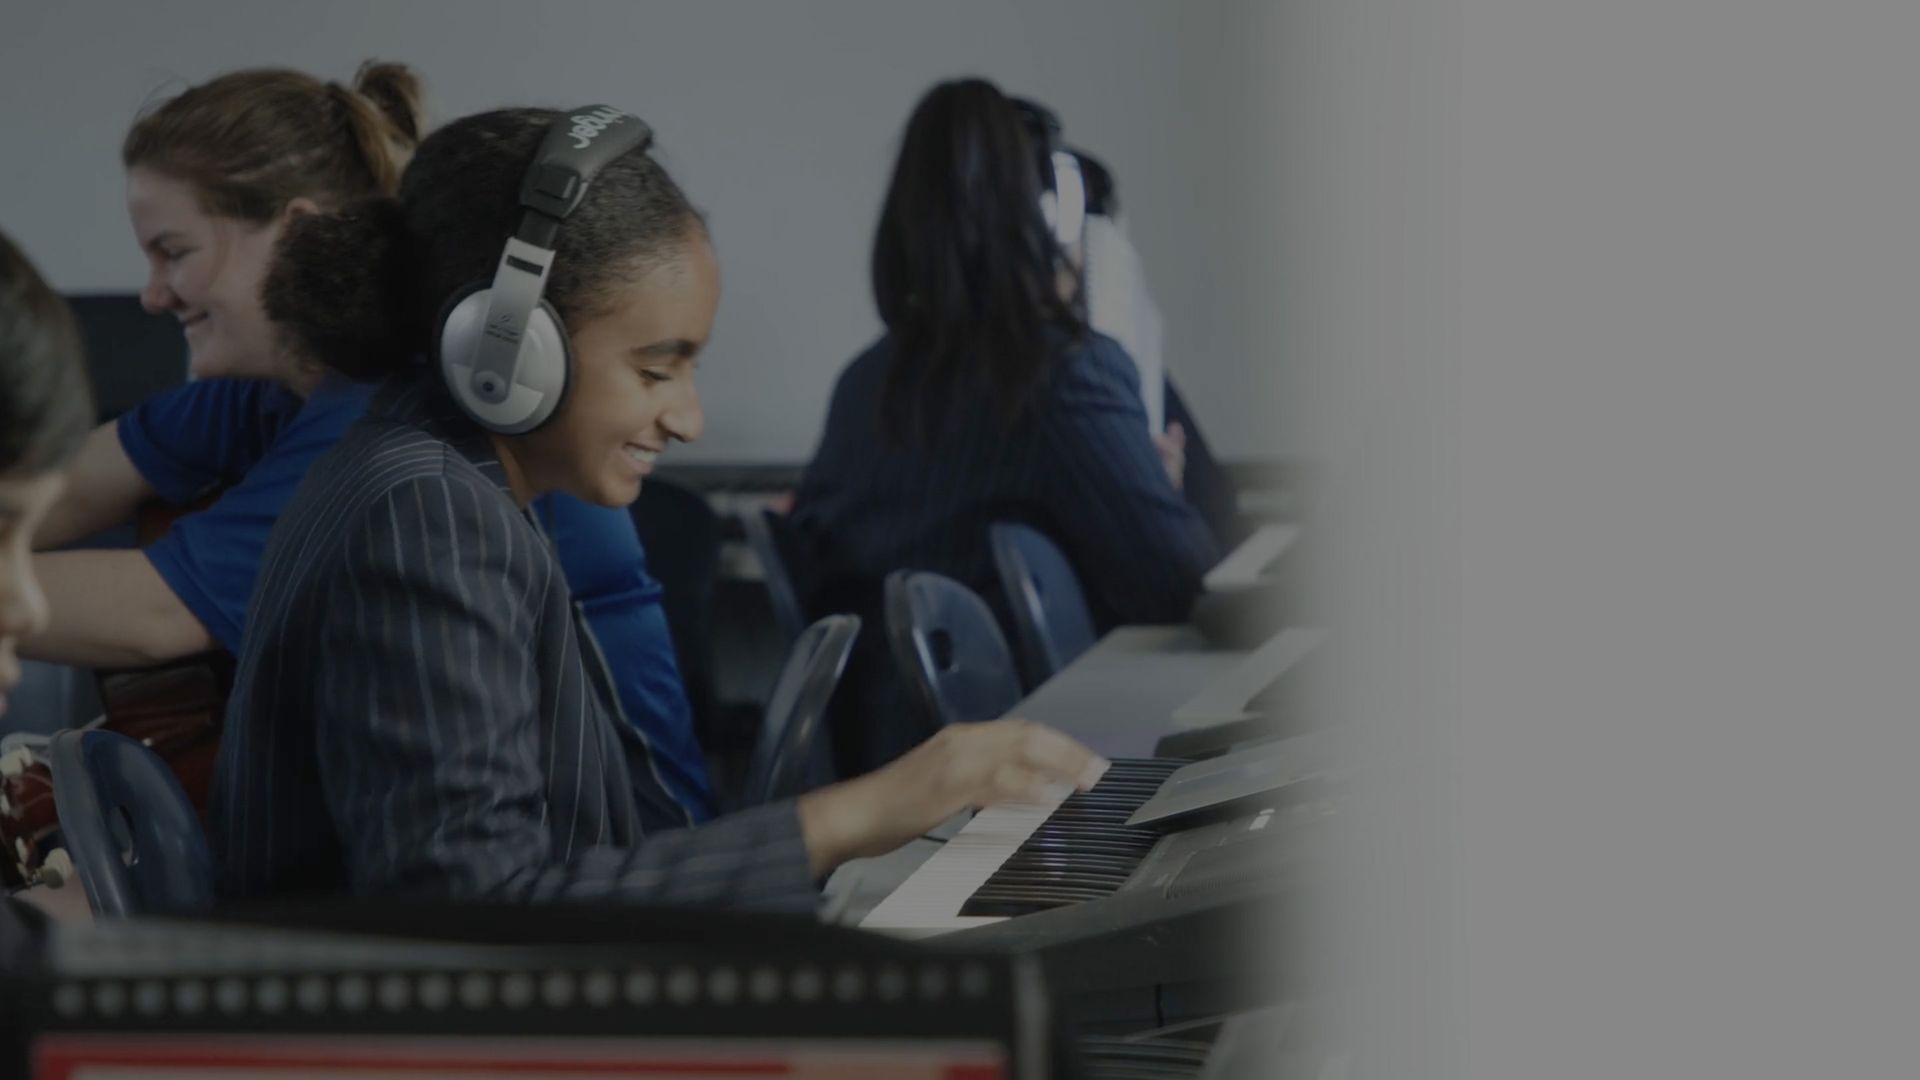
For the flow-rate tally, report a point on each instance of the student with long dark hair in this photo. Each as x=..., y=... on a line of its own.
x=987, y=399
x=419, y=707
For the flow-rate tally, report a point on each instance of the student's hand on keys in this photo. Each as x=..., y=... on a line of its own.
x=1010, y=760
x=961, y=766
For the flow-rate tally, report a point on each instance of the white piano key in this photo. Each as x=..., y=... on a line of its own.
x=929, y=901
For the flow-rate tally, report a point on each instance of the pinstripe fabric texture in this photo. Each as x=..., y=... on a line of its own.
x=1080, y=466
x=420, y=708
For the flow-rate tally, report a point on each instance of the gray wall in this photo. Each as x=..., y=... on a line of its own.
x=779, y=118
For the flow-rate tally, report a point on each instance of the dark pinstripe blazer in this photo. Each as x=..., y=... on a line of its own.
x=420, y=708
x=1080, y=466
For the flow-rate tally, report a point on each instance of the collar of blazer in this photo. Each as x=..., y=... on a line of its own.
x=421, y=400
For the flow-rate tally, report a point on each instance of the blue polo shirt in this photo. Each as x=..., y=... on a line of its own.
x=255, y=439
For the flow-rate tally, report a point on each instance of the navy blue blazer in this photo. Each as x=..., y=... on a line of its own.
x=1079, y=465
x=419, y=706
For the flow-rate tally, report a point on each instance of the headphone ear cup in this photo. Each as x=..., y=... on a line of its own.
x=547, y=362
x=454, y=337
x=545, y=369
x=1066, y=201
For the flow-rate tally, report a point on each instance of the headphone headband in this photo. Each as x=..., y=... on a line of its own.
x=576, y=148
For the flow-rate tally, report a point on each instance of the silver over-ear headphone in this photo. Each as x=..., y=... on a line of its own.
x=1063, y=192
x=1065, y=207
x=502, y=348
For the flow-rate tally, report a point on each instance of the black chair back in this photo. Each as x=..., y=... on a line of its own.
x=1050, y=615
x=131, y=355
x=681, y=535
x=128, y=827
x=774, y=547
x=790, y=758
x=949, y=649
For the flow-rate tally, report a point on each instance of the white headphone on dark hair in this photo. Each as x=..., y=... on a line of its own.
x=1063, y=194
x=502, y=348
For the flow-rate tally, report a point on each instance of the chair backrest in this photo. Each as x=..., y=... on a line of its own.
x=1050, y=615
x=949, y=648
x=681, y=535
x=128, y=827
x=132, y=354
x=773, y=546
x=791, y=735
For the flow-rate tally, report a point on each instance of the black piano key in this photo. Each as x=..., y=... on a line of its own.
x=1037, y=857
x=1113, y=845
x=1083, y=851
x=1111, y=835
x=1042, y=871
x=1037, y=887
x=1093, y=850
x=1084, y=856
x=1043, y=885
x=1036, y=871
x=1012, y=906
x=1098, y=833
x=1069, y=816
x=1118, y=849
